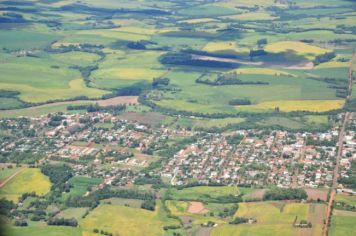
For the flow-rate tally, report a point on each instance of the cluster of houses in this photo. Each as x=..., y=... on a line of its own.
x=120, y=149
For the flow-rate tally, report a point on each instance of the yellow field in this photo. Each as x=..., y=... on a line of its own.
x=253, y=16
x=131, y=73
x=34, y=94
x=297, y=105
x=298, y=47
x=198, y=20
x=224, y=46
x=262, y=71
x=332, y=64
x=76, y=57
x=177, y=208
x=115, y=34
x=29, y=180
x=121, y=220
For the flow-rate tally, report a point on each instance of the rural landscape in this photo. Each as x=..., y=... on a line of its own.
x=177, y=118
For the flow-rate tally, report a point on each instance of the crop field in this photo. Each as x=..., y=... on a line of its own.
x=274, y=218
x=27, y=181
x=297, y=47
x=342, y=225
x=126, y=220
x=75, y=213
x=297, y=105
x=6, y=172
x=82, y=183
x=70, y=52
x=204, y=193
x=44, y=231
x=349, y=200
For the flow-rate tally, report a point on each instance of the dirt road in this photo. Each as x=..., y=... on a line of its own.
x=2, y=184
x=339, y=152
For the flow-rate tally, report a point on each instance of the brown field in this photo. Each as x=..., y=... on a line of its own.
x=197, y=208
x=118, y=101
x=257, y=194
x=316, y=217
x=315, y=194
x=344, y=213
x=149, y=118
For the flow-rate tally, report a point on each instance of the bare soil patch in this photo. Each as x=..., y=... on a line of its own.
x=344, y=213
x=315, y=194
x=149, y=118
x=197, y=208
x=257, y=194
x=118, y=101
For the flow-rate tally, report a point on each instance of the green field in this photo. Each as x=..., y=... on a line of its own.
x=204, y=193
x=44, y=231
x=81, y=184
x=342, y=225
x=70, y=52
x=27, y=181
x=274, y=218
x=6, y=172
x=126, y=220
x=349, y=200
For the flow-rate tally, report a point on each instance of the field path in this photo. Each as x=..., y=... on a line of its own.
x=2, y=184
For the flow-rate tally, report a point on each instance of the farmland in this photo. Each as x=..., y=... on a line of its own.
x=274, y=219
x=28, y=180
x=177, y=118
x=120, y=221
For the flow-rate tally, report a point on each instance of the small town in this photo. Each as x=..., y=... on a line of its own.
x=103, y=145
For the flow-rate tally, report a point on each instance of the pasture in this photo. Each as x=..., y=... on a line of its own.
x=27, y=181
x=274, y=218
x=81, y=184
x=204, y=193
x=126, y=220
x=44, y=231
x=342, y=225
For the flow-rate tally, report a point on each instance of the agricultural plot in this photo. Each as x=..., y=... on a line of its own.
x=26, y=181
x=44, y=231
x=204, y=193
x=342, y=225
x=82, y=184
x=126, y=220
x=274, y=218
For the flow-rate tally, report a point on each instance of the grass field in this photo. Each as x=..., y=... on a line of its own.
x=349, y=200
x=204, y=193
x=77, y=58
x=75, y=213
x=44, y=231
x=342, y=225
x=297, y=47
x=29, y=180
x=274, y=218
x=6, y=172
x=297, y=105
x=135, y=203
x=81, y=184
x=126, y=220
x=42, y=79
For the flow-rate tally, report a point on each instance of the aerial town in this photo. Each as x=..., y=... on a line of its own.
x=103, y=145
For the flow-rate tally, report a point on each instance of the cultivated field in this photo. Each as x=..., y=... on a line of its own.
x=28, y=180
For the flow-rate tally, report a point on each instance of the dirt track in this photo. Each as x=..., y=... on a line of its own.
x=339, y=153
x=2, y=184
